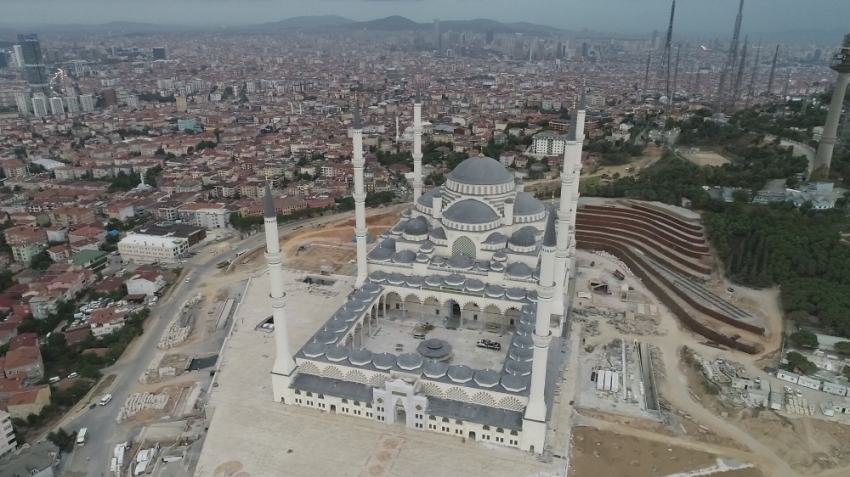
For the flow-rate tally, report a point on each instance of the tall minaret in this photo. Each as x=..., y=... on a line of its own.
x=534, y=420
x=359, y=196
x=396, y=128
x=417, y=148
x=580, y=114
x=284, y=365
x=572, y=153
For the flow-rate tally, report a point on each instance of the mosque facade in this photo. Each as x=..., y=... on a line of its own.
x=474, y=258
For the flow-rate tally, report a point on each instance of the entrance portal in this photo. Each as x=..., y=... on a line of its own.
x=455, y=310
x=333, y=407
x=400, y=413
x=472, y=435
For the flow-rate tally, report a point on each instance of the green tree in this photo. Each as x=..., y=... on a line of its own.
x=62, y=439
x=842, y=347
x=799, y=364
x=804, y=339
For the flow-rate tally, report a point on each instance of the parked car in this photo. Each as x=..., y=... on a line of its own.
x=798, y=393
x=73, y=375
x=105, y=399
x=489, y=344
x=55, y=379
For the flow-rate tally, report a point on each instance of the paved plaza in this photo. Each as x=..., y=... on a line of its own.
x=252, y=436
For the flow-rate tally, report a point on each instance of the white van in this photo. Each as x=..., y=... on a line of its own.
x=105, y=399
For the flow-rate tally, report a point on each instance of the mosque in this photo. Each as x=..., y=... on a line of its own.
x=455, y=322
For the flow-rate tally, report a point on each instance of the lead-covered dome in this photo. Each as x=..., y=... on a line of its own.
x=470, y=211
x=481, y=171
x=526, y=204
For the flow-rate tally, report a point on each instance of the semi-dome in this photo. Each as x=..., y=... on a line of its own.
x=526, y=204
x=481, y=171
x=524, y=237
x=427, y=199
x=470, y=211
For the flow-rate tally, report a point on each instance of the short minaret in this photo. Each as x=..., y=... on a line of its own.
x=284, y=365
x=359, y=196
x=417, y=147
x=572, y=153
x=534, y=421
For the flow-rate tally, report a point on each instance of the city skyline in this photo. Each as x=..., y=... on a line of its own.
x=629, y=17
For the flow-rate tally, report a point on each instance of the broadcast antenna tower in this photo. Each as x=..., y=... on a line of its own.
x=772, y=73
x=732, y=58
x=752, y=90
x=739, y=78
x=665, y=64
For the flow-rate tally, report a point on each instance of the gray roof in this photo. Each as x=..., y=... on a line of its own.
x=524, y=237
x=268, y=203
x=491, y=416
x=481, y=171
x=470, y=211
x=417, y=226
x=332, y=387
x=438, y=233
x=427, y=199
x=526, y=204
x=549, y=234
x=39, y=456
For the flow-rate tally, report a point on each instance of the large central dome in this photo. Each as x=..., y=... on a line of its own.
x=481, y=171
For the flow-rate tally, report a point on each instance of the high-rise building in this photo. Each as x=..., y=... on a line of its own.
x=4, y=62
x=56, y=106
x=17, y=56
x=182, y=106
x=39, y=105
x=110, y=97
x=33, y=63
x=87, y=102
x=159, y=53
x=22, y=100
x=72, y=103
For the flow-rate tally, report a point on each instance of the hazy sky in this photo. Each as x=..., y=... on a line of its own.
x=699, y=17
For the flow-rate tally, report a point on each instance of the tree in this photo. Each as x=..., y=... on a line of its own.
x=804, y=339
x=41, y=261
x=799, y=364
x=62, y=439
x=842, y=347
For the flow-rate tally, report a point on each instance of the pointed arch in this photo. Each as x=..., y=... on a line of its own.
x=464, y=245
x=457, y=394
x=511, y=404
x=332, y=372
x=356, y=376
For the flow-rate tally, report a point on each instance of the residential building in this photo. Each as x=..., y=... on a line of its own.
x=7, y=434
x=26, y=242
x=56, y=106
x=548, y=144
x=22, y=101
x=145, y=283
x=39, y=106
x=87, y=102
x=72, y=103
x=106, y=321
x=142, y=248
x=210, y=216
x=14, y=168
x=24, y=362
x=36, y=460
x=66, y=216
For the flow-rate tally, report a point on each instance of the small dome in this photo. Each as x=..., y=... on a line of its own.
x=395, y=279
x=336, y=325
x=381, y=254
x=416, y=227
x=524, y=342
x=434, y=280
x=495, y=239
x=314, y=349
x=520, y=368
x=515, y=293
x=409, y=361
x=461, y=261
x=435, y=369
x=371, y=288
x=460, y=373
x=325, y=337
x=388, y=243
x=360, y=357
x=438, y=234
x=524, y=237
x=514, y=383
x=345, y=315
x=427, y=246
x=494, y=291
x=486, y=378
x=422, y=258
x=435, y=349
x=405, y=256
x=336, y=353
x=378, y=276
x=454, y=280
x=414, y=281
x=521, y=354
x=470, y=211
x=481, y=171
x=518, y=270
x=474, y=285
x=384, y=361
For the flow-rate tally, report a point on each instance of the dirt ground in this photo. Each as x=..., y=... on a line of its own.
x=705, y=158
x=595, y=452
x=649, y=156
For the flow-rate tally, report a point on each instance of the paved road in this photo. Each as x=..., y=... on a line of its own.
x=103, y=433
x=800, y=149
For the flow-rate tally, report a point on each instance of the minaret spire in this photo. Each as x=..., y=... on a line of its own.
x=359, y=196
x=535, y=411
x=417, y=147
x=284, y=365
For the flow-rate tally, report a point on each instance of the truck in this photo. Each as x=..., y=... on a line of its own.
x=619, y=275
x=81, y=436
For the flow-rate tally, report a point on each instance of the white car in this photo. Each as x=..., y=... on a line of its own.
x=73, y=375
x=105, y=399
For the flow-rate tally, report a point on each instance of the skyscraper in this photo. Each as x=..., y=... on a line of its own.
x=159, y=53
x=110, y=98
x=438, y=37
x=17, y=56
x=33, y=63
x=4, y=63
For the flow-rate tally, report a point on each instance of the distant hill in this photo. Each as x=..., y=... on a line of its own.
x=304, y=23
x=393, y=23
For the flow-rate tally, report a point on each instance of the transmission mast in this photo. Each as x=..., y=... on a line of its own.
x=772, y=73
x=732, y=59
x=646, y=75
x=752, y=90
x=666, y=64
x=739, y=78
